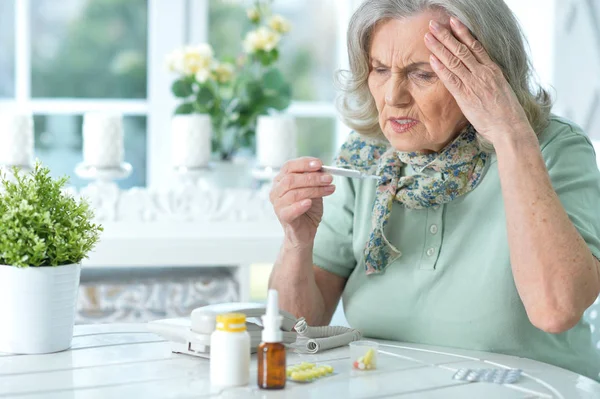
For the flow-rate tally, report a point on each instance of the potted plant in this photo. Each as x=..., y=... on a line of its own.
x=45, y=233
x=234, y=92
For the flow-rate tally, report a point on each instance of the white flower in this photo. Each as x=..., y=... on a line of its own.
x=197, y=58
x=253, y=14
x=280, y=24
x=262, y=38
x=202, y=75
x=175, y=61
x=224, y=72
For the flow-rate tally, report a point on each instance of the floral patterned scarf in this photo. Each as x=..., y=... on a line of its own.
x=460, y=167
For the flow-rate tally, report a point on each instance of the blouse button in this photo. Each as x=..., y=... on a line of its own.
x=433, y=229
x=430, y=251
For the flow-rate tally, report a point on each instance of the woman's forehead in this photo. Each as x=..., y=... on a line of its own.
x=411, y=27
x=402, y=40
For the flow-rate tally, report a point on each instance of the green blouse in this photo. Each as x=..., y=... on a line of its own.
x=453, y=285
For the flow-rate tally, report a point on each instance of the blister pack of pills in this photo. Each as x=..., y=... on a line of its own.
x=498, y=376
x=308, y=372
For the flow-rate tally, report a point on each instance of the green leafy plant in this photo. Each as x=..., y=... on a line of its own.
x=234, y=92
x=40, y=223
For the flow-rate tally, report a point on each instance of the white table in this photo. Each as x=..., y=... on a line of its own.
x=126, y=361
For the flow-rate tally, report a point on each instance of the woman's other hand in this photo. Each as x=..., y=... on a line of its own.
x=476, y=82
x=297, y=197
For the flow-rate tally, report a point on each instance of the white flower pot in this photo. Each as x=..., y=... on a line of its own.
x=37, y=308
x=191, y=141
x=275, y=140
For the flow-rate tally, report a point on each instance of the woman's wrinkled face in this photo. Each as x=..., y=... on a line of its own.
x=416, y=111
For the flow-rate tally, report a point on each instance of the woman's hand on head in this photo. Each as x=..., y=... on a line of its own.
x=297, y=197
x=477, y=83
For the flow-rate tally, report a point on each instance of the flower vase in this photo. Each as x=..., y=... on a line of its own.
x=232, y=141
x=276, y=141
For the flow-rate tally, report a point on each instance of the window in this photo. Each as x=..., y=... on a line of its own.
x=89, y=49
x=62, y=59
x=71, y=57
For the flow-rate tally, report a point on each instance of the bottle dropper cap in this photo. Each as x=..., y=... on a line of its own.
x=272, y=320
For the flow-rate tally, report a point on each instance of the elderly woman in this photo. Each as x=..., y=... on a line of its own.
x=483, y=231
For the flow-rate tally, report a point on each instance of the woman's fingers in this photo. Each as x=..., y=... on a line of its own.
x=453, y=63
x=297, y=202
x=450, y=80
x=463, y=34
x=301, y=194
x=292, y=181
x=299, y=182
x=460, y=52
x=292, y=212
x=300, y=165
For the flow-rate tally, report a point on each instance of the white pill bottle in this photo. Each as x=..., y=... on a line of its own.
x=230, y=351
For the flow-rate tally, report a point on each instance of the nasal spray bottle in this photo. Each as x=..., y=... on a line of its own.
x=271, y=351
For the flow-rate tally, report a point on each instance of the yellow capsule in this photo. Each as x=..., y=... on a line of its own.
x=329, y=369
x=369, y=357
x=297, y=376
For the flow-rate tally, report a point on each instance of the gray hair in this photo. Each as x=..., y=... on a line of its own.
x=491, y=22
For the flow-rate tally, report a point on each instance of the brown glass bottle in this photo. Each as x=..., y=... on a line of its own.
x=271, y=365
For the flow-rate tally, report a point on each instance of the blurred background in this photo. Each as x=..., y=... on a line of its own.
x=63, y=58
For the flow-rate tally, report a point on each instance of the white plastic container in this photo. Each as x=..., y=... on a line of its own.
x=230, y=351
x=37, y=308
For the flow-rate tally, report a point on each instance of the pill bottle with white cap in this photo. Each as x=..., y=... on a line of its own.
x=230, y=351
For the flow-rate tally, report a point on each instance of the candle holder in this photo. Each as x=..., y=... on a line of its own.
x=101, y=174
